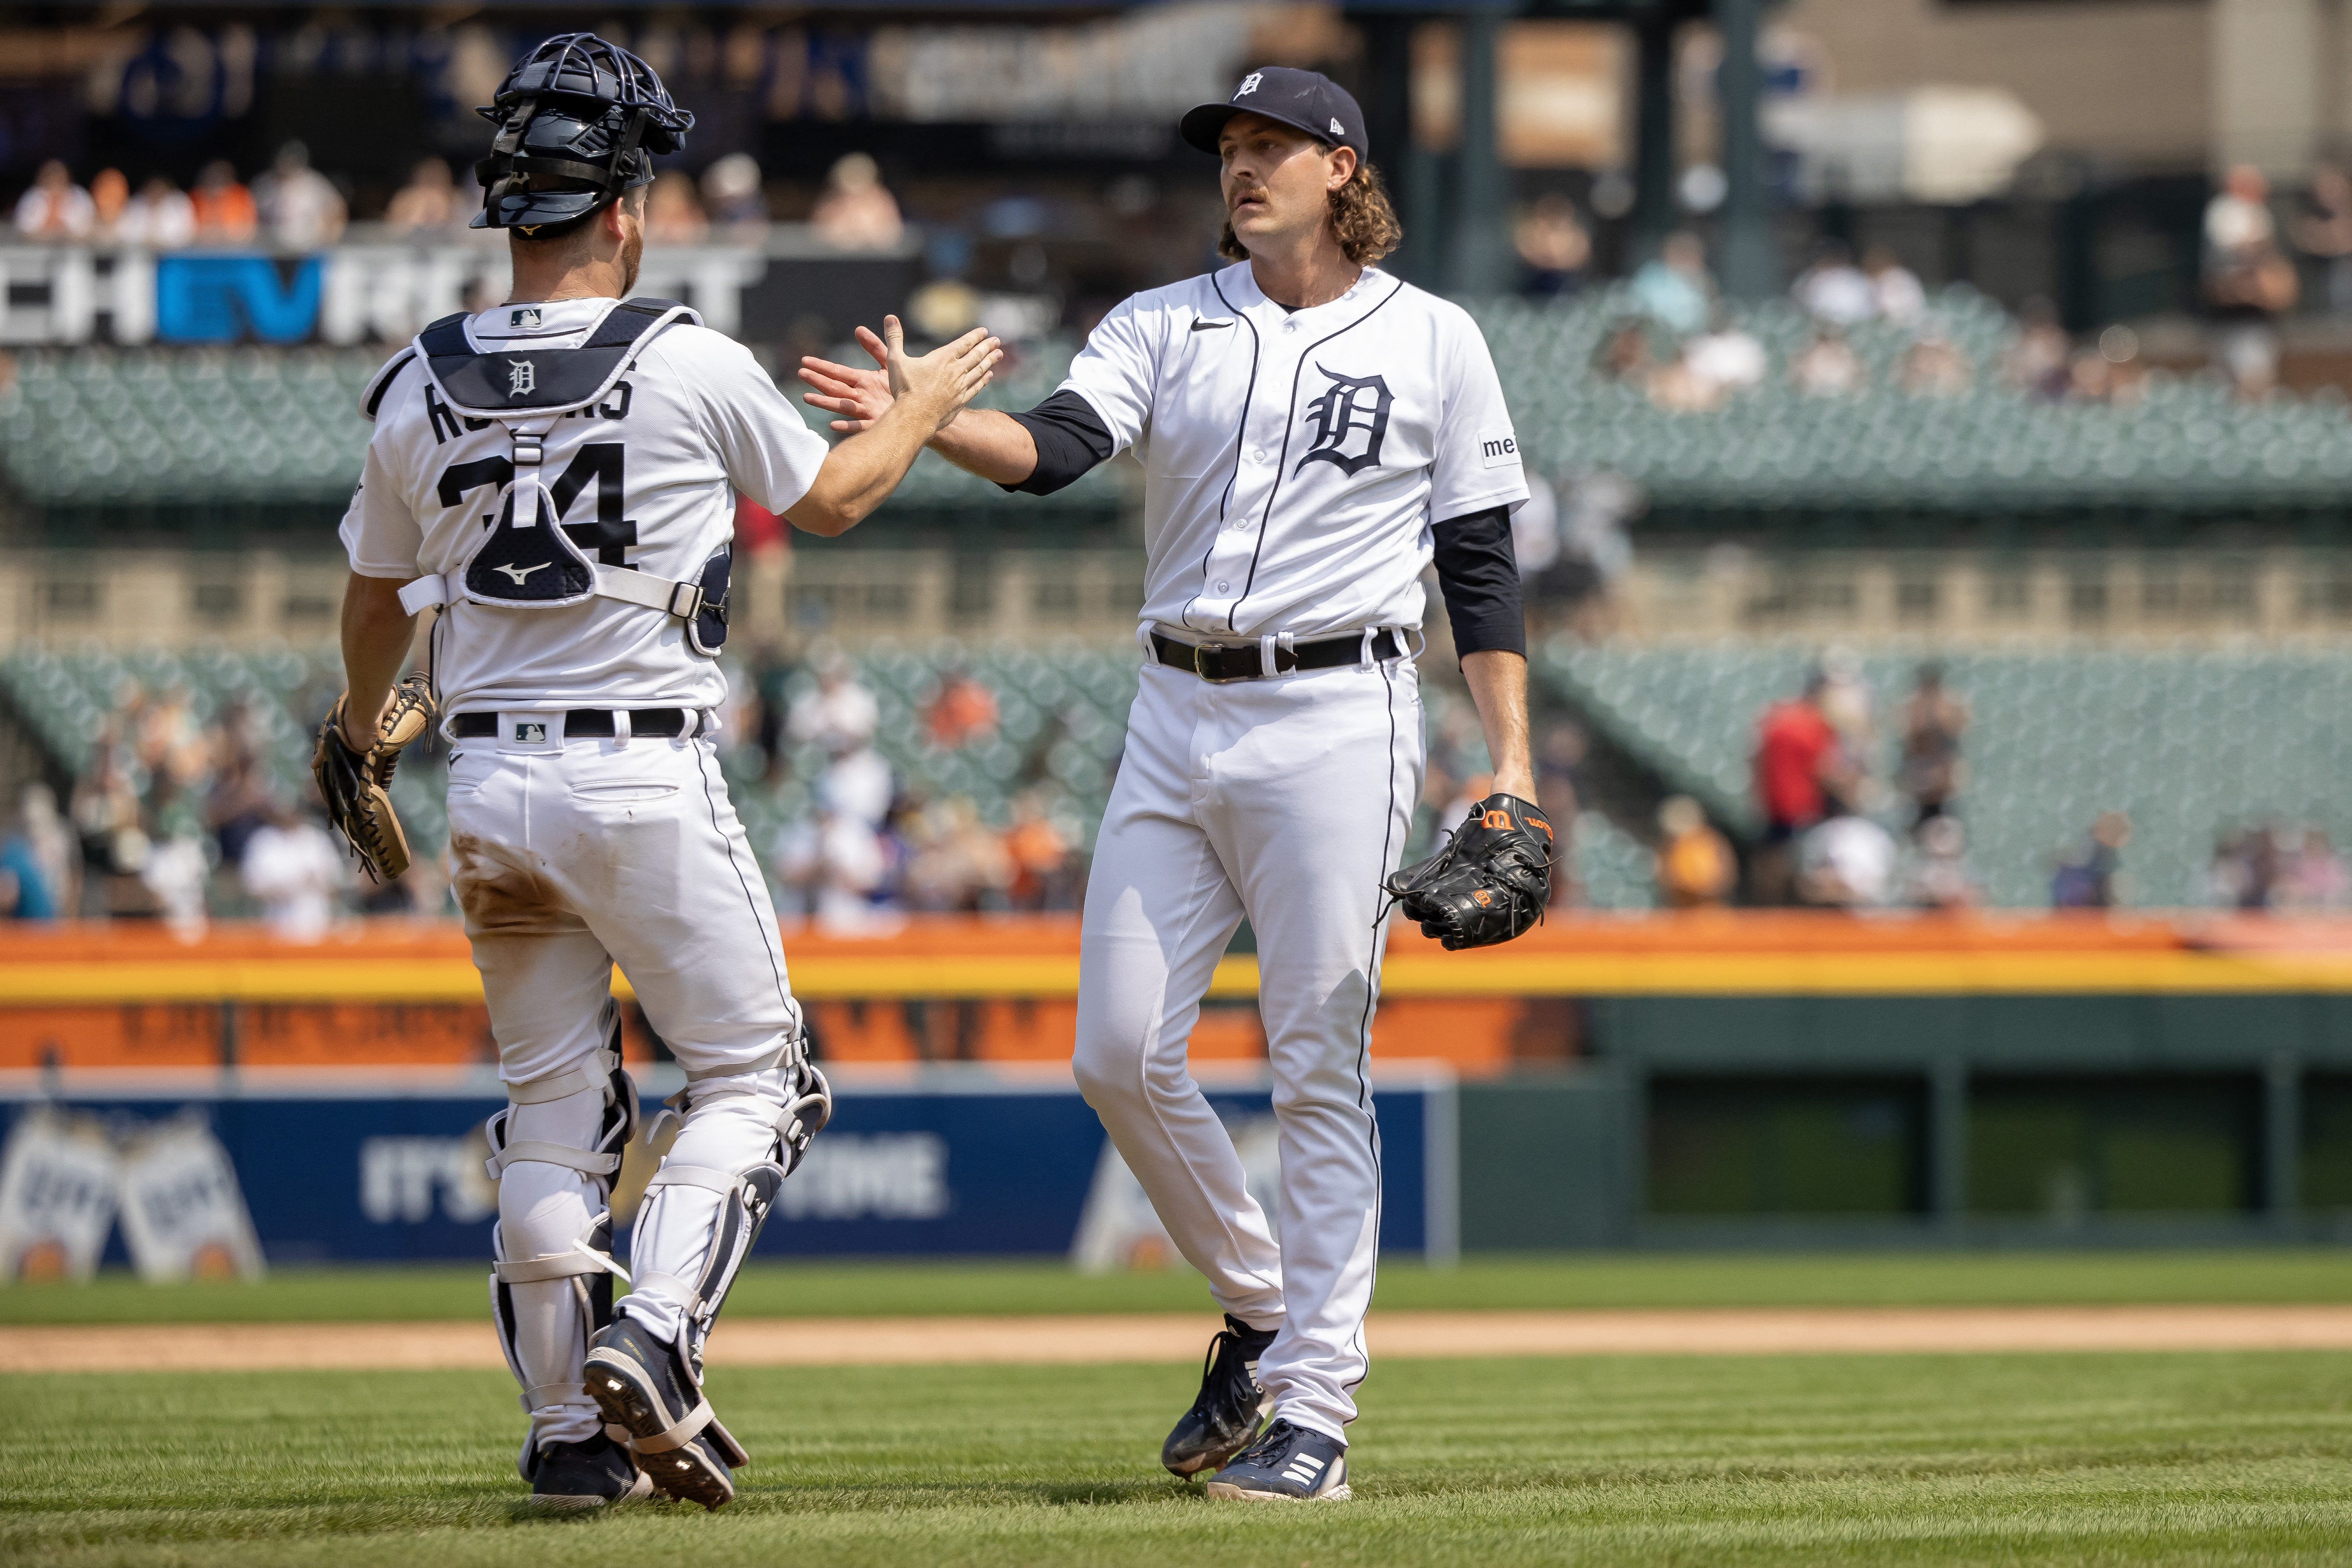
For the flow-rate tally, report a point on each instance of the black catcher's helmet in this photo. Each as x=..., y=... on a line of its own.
x=578, y=119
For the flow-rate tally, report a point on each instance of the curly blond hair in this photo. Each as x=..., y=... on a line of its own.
x=1361, y=218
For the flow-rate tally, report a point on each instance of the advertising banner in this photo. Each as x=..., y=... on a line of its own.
x=383, y=293
x=182, y=1215
x=59, y=1181
x=962, y=1162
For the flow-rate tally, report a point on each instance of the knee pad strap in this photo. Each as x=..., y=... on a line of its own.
x=592, y=1073
x=776, y=1057
x=673, y=1174
x=581, y=1160
x=581, y=1259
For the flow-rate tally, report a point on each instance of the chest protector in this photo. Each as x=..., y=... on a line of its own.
x=525, y=560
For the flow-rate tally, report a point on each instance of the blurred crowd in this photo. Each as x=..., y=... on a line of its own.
x=1835, y=835
x=1688, y=352
x=2278, y=866
x=1825, y=842
x=291, y=205
x=180, y=819
x=874, y=846
x=183, y=820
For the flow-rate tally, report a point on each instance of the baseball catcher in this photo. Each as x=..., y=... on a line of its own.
x=1489, y=884
x=558, y=474
x=355, y=781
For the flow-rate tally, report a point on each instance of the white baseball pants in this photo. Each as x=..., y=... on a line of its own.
x=568, y=856
x=1287, y=800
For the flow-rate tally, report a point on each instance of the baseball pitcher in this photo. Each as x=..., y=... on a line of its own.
x=558, y=476
x=1313, y=433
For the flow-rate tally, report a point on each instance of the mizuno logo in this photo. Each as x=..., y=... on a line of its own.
x=518, y=573
x=1201, y=325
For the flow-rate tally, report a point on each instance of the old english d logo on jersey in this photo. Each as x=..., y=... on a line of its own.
x=1351, y=406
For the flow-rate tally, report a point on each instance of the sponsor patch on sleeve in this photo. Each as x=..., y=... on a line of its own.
x=1499, y=450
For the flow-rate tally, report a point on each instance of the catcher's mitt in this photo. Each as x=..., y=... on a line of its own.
x=356, y=785
x=1489, y=884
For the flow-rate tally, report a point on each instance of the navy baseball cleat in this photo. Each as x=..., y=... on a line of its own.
x=585, y=1475
x=1232, y=1403
x=646, y=1390
x=1289, y=1464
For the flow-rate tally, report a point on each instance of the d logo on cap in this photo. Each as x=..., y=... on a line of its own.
x=1249, y=84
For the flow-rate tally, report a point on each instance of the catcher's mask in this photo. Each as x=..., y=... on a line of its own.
x=578, y=122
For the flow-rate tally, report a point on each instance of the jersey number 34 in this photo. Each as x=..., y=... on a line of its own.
x=609, y=536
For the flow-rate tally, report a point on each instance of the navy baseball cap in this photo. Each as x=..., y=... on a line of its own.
x=1308, y=99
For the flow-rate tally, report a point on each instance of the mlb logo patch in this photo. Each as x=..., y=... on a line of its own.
x=526, y=318
x=530, y=734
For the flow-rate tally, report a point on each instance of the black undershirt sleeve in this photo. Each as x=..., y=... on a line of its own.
x=1480, y=579
x=1070, y=439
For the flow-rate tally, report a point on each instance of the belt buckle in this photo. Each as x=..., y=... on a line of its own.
x=1201, y=671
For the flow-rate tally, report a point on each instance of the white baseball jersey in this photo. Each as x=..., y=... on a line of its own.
x=1294, y=460
x=646, y=478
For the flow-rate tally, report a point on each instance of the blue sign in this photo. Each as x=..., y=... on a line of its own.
x=951, y=1171
x=227, y=299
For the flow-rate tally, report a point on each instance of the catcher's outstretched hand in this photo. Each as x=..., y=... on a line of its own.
x=356, y=784
x=1489, y=883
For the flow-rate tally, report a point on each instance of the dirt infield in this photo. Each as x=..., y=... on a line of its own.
x=1170, y=1336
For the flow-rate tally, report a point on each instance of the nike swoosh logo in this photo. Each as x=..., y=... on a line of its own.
x=1202, y=326
x=518, y=573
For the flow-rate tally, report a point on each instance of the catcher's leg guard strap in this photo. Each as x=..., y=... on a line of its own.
x=582, y=1259
x=594, y=1073
x=585, y=1161
x=673, y=1174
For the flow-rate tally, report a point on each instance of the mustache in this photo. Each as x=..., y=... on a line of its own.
x=1251, y=194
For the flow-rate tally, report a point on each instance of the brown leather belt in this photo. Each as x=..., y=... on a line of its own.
x=1221, y=662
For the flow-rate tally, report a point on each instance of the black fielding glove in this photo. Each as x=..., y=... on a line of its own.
x=1489, y=883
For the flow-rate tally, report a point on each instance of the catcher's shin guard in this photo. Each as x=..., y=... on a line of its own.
x=700, y=1222
x=552, y=1273
x=741, y=1135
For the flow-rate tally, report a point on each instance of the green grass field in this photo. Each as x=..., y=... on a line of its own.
x=2119, y=1458
x=2007, y=1460
x=868, y=1290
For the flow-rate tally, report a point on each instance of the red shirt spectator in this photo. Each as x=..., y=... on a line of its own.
x=756, y=528
x=1793, y=744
